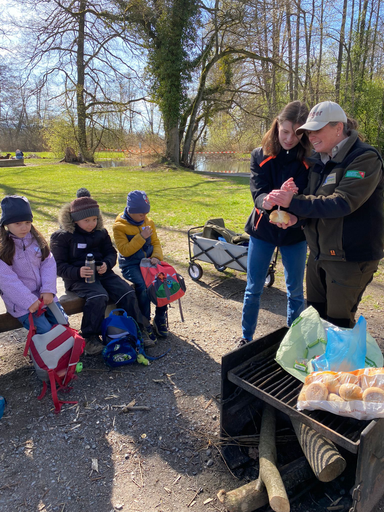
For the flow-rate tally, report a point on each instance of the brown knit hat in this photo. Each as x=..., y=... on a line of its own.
x=84, y=207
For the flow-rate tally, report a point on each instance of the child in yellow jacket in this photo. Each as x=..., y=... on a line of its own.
x=136, y=238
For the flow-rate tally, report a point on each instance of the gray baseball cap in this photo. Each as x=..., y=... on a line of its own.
x=322, y=114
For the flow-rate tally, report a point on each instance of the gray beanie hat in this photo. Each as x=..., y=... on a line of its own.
x=15, y=209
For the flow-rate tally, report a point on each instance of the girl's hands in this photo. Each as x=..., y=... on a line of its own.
x=47, y=298
x=34, y=307
x=86, y=272
x=155, y=261
x=281, y=197
x=146, y=232
x=267, y=204
x=102, y=269
x=289, y=186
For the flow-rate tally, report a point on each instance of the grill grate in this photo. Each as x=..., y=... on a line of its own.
x=265, y=378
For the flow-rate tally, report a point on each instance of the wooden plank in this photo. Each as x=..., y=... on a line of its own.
x=71, y=303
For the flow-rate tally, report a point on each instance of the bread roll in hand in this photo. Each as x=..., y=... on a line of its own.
x=279, y=216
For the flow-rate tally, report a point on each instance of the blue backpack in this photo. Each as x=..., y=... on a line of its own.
x=124, y=341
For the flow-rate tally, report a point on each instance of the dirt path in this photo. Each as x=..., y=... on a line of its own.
x=93, y=457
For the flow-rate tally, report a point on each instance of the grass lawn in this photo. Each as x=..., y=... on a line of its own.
x=179, y=198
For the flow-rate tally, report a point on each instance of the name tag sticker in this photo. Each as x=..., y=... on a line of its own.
x=355, y=174
x=330, y=180
x=81, y=246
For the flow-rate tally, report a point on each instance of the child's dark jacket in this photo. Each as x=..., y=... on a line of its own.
x=70, y=246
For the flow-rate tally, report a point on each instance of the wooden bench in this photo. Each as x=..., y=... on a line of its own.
x=71, y=303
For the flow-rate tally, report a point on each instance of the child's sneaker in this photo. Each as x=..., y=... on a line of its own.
x=149, y=337
x=93, y=345
x=160, y=326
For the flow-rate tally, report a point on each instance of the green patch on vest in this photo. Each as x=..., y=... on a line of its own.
x=355, y=174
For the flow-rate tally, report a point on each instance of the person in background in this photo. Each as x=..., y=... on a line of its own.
x=27, y=267
x=19, y=154
x=136, y=238
x=82, y=232
x=280, y=159
x=342, y=208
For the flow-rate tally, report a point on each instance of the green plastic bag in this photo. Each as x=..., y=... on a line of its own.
x=307, y=338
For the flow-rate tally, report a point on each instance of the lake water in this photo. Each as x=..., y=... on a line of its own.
x=202, y=164
x=134, y=161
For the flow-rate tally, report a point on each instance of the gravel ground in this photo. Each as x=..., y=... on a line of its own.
x=94, y=457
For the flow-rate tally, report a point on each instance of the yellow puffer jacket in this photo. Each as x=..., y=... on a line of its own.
x=131, y=245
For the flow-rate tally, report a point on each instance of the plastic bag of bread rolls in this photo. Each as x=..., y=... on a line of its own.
x=358, y=394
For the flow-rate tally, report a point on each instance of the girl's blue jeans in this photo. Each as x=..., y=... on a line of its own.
x=259, y=257
x=43, y=323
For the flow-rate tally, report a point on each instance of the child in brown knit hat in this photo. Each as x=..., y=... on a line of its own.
x=82, y=232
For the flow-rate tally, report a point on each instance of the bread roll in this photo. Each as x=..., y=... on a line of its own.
x=373, y=395
x=332, y=397
x=341, y=378
x=319, y=377
x=372, y=381
x=279, y=216
x=316, y=391
x=350, y=392
x=302, y=396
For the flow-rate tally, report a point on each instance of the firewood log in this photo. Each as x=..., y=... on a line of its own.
x=322, y=455
x=269, y=474
x=251, y=496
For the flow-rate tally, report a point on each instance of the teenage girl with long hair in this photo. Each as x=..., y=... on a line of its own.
x=274, y=165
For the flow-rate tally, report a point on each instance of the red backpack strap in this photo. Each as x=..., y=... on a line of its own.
x=53, y=377
x=43, y=391
x=77, y=350
x=32, y=328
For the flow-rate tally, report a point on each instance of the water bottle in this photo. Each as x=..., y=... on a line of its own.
x=90, y=262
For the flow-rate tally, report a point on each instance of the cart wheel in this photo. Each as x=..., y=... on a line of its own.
x=269, y=280
x=195, y=271
x=220, y=268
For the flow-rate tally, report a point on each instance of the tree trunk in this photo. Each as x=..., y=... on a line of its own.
x=81, y=110
x=320, y=59
x=341, y=48
x=251, y=496
x=322, y=455
x=173, y=145
x=269, y=474
x=290, y=55
x=297, y=51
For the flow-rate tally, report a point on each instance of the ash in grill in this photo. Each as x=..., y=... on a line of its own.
x=251, y=377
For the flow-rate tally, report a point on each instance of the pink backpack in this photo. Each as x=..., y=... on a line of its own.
x=55, y=355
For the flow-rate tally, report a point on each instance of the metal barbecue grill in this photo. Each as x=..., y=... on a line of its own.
x=251, y=376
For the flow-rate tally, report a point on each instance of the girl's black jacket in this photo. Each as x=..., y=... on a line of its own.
x=269, y=173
